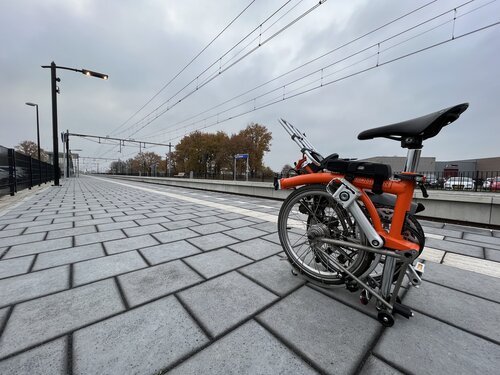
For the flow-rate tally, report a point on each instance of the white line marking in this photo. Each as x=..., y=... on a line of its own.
x=485, y=267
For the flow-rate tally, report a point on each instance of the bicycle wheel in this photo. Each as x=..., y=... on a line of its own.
x=310, y=213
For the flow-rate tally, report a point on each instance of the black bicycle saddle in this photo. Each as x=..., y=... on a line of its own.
x=411, y=133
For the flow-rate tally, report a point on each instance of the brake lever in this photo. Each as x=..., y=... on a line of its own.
x=423, y=189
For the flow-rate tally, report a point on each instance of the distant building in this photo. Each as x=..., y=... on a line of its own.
x=472, y=165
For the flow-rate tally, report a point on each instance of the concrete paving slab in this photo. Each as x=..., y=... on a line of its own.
x=210, y=228
x=477, y=315
x=469, y=229
x=429, y=224
x=67, y=256
x=221, y=303
x=11, y=232
x=22, y=239
x=46, y=359
x=82, y=222
x=112, y=226
x=455, y=247
x=39, y=247
x=152, y=220
x=238, y=223
x=250, y=349
x=47, y=227
x=71, y=232
x=44, y=318
x=23, y=287
x=485, y=267
x=492, y=254
x=215, y=262
x=212, y=241
x=245, y=233
x=153, y=282
x=180, y=224
x=267, y=227
x=231, y=216
x=132, y=243
x=374, y=366
x=16, y=266
x=274, y=273
x=175, y=235
x=165, y=252
x=474, y=243
x=467, y=281
x=85, y=239
x=208, y=219
x=332, y=335
x=27, y=224
x=482, y=238
x=432, y=255
x=423, y=345
x=182, y=217
x=443, y=232
x=256, y=248
x=128, y=343
x=112, y=265
x=3, y=315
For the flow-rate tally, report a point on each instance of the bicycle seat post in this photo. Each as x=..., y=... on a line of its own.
x=412, y=159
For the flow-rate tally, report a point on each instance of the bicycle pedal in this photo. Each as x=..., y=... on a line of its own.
x=415, y=273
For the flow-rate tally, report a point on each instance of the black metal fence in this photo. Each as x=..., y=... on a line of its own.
x=19, y=171
x=463, y=180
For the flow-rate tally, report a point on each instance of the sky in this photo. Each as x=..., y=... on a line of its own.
x=366, y=78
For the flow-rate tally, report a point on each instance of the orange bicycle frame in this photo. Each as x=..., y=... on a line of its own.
x=403, y=189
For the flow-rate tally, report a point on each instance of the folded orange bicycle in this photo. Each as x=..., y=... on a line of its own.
x=352, y=222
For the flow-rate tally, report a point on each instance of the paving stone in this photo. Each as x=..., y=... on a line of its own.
x=422, y=345
x=49, y=358
x=493, y=254
x=132, y=243
x=273, y=237
x=274, y=273
x=85, y=222
x=100, y=268
x=483, y=239
x=469, y=229
x=207, y=219
x=159, y=213
x=432, y=255
x=267, y=226
x=238, y=223
x=25, y=238
x=165, y=252
x=27, y=224
x=202, y=213
x=216, y=262
x=129, y=343
x=212, y=241
x=39, y=320
x=11, y=232
x=180, y=224
x=175, y=235
x=245, y=233
x=223, y=302
x=181, y=217
x=9, y=221
x=477, y=315
x=467, y=281
x=49, y=227
x=250, y=349
x=32, y=285
x=256, y=248
x=39, y=247
x=455, y=247
x=474, y=243
x=71, y=232
x=128, y=217
x=152, y=220
x=112, y=226
x=66, y=256
x=322, y=325
x=433, y=224
x=230, y=216
x=16, y=266
x=210, y=228
x=110, y=235
x=153, y=282
x=3, y=315
x=485, y=267
x=374, y=366
x=443, y=232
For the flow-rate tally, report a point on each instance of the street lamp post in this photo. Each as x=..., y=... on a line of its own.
x=38, y=142
x=55, y=91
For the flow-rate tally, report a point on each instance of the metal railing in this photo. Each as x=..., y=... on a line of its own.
x=484, y=181
x=19, y=171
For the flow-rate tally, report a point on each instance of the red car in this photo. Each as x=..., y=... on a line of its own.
x=495, y=184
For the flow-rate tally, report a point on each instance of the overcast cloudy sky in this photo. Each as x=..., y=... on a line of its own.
x=143, y=44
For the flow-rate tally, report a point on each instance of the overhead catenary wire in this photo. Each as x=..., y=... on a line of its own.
x=214, y=63
x=380, y=64
x=304, y=64
x=185, y=67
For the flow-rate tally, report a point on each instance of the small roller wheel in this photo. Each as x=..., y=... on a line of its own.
x=385, y=318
